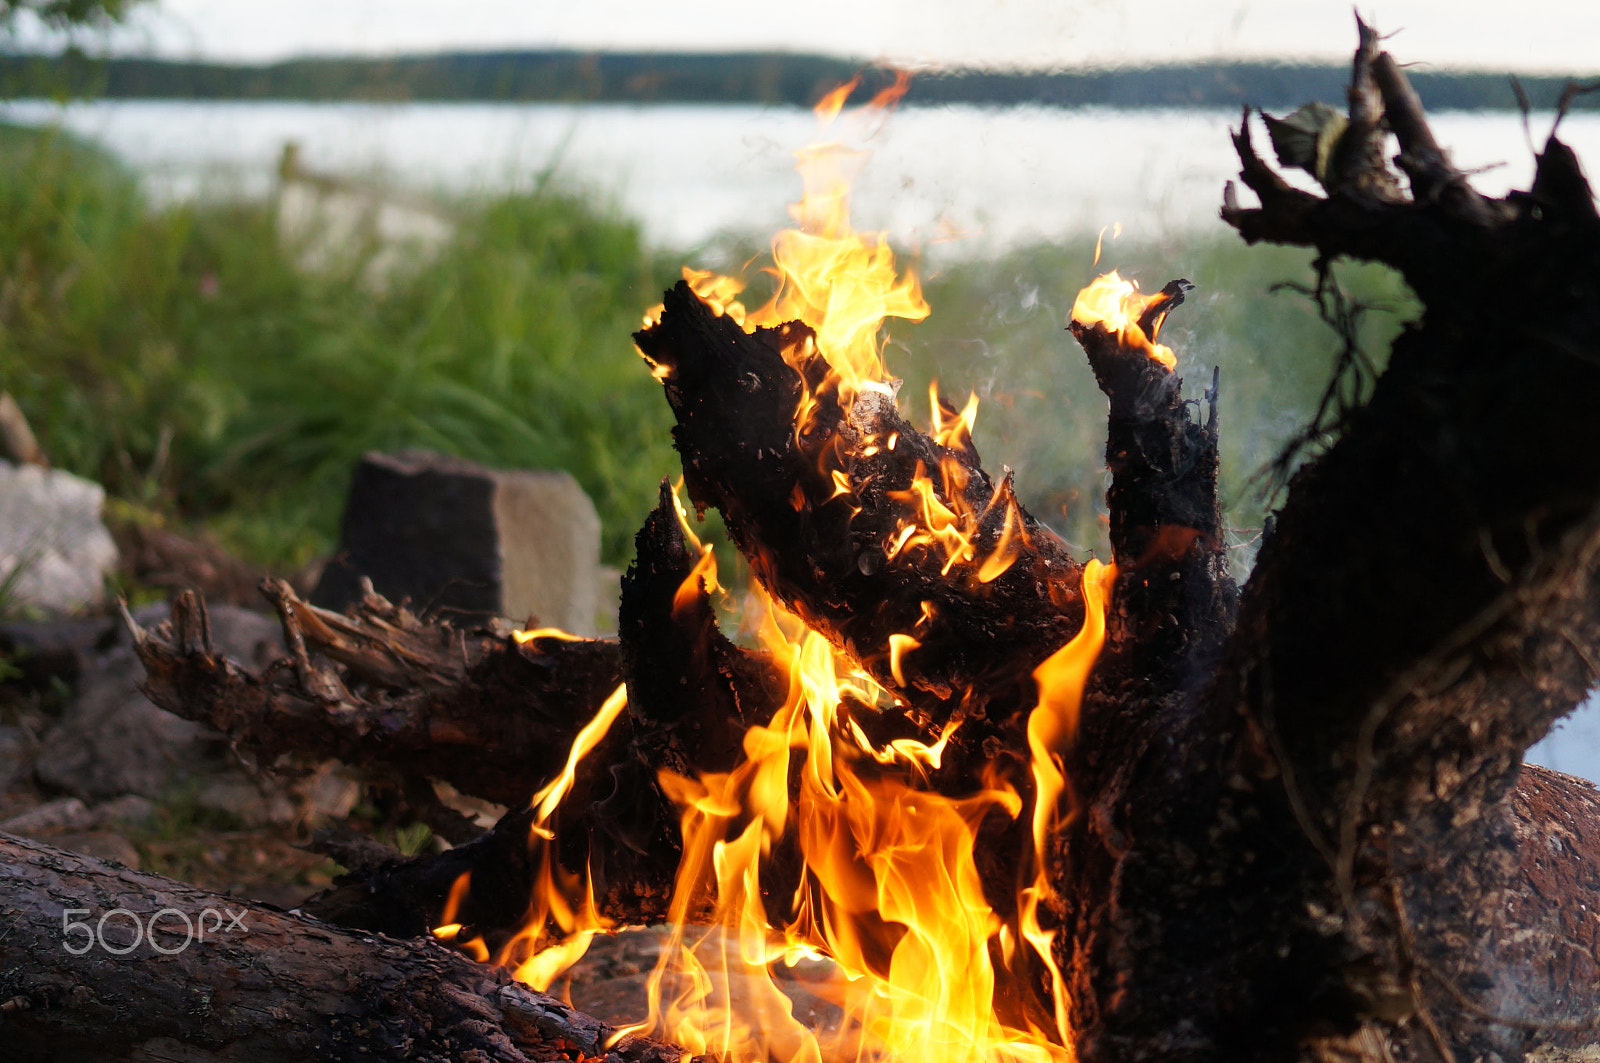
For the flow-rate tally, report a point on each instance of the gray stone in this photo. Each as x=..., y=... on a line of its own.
x=64, y=813
x=100, y=844
x=44, y=651
x=54, y=549
x=248, y=800
x=253, y=639
x=330, y=793
x=468, y=541
x=112, y=741
x=129, y=810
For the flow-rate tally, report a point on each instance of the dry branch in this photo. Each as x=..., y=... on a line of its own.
x=492, y=717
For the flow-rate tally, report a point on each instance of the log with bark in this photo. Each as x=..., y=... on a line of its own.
x=1301, y=829
x=99, y=962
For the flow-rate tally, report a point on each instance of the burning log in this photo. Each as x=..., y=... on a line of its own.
x=691, y=695
x=818, y=496
x=1174, y=599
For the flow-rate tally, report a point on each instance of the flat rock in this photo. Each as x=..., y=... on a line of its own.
x=129, y=810
x=43, y=651
x=468, y=542
x=54, y=548
x=64, y=813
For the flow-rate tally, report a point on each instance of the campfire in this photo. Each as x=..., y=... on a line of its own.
x=981, y=799
x=883, y=893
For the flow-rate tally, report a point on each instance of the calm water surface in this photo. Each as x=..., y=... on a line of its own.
x=980, y=179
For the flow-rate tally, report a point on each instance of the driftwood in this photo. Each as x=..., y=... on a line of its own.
x=1300, y=825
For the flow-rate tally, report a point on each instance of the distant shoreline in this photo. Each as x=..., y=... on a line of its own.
x=771, y=78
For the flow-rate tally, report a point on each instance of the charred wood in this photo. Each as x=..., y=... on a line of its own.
x=692, y=693
x=1175, y=599
x=810, y=501
x=1424, y=610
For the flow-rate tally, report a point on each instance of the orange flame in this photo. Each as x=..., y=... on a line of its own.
x=562, y=906
x=1051, y=727
x=842, y=283
x=952, y=431
x=889, y=890
x=1117, y=305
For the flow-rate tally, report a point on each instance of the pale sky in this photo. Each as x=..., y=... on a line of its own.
x=1530, y=35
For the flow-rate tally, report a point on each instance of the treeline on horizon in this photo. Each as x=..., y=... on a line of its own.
x=770, y=78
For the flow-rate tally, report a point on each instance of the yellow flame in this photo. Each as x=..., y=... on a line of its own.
x=948, y=522
x=1008, y=548
x=547, y=800
x=954, y=432
x=889, y=889
x=899, y=646
x=562, y=906
x=1051, y=727
x=525, y=637
x=842, y=283
x=1117, y=305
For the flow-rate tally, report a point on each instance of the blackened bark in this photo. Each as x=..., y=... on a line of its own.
x=1175, y=598
x=1318, y=860
x=821, y=547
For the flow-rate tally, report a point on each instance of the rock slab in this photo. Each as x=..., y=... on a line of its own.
x=112, y=741
x=468, y=542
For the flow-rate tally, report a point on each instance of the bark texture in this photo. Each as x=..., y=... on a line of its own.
x=277, y=988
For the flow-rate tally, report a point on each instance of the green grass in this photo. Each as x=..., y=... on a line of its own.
x=184, y=357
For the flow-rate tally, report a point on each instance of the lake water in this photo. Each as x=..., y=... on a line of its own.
x=953, y=181
x=978, y=179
